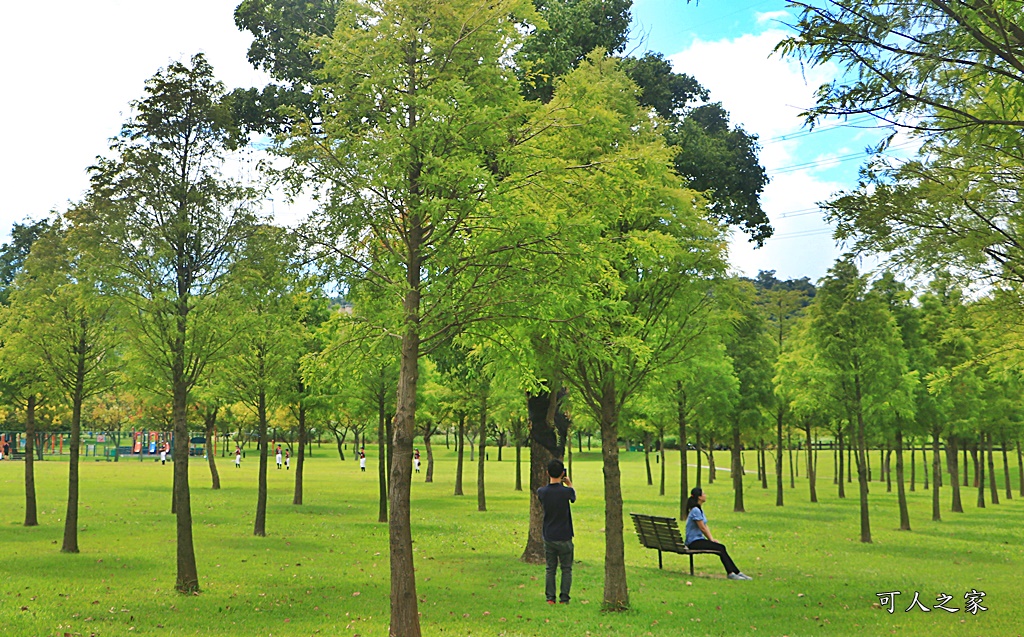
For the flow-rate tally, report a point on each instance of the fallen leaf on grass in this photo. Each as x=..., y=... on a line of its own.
x=355, y=594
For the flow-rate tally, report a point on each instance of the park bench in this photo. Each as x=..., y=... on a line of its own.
x=662, y=534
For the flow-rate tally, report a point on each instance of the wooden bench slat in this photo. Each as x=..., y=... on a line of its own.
x=662, y=534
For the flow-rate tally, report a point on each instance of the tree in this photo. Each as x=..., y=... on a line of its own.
x=858, y=344
x=168, y=222
x=649, y=253
x=313, y=311
x=716, y=159
x=749, y=345
x=927, y=64
x=66, y=320
x=783, y=303
x=571, y=30
x=13, y=254
x=20, y=378
x=952, y=73
x=264, y=354
x=419, y=101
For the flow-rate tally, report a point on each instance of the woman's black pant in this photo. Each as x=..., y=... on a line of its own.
x=708, y=545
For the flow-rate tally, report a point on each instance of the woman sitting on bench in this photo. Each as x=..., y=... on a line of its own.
x=698, y=536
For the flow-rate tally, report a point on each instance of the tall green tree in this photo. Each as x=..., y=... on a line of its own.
x=265, y=352
x=14, y=253
x=651, y=254
x=168, y=222
x=750, y=347
x=859, y=346
x=783, y=303
x=420, y=105
x=70, y=324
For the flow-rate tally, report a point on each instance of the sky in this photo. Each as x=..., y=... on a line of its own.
x=68, y=88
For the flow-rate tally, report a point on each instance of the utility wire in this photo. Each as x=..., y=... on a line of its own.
x=831, y=161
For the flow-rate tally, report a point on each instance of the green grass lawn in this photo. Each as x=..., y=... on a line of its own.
x=323, y=569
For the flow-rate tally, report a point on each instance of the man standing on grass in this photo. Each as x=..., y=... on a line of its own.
x=558, y=549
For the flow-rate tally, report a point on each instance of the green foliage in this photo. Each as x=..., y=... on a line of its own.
x=568, y=32
x=931, y=64
x=13, y=254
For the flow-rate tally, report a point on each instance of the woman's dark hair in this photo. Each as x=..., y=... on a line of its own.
x=694, y=499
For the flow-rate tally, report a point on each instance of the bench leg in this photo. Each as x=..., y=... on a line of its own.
x=659, y=558
x=691, y=564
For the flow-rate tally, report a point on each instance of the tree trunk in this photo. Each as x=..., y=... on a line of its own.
x=711, y=462
x=568, y=456
x=543, y=413
x=382, y=468
x=764, y=465
x=900, y=491
x=840, y=483
x=978, y=470
x=187, y=579
x=404, y=604
x=300, y=456
x=979, y=475
x=533, y=553
x=481, y=495
x=967, y=467
x=340, y=441
x=835, y=464
x=994, y=490
x=661, y=452
x=778, y=460
x=260, y=525
x=685, y=492
x=888, y=472
x=647, y=458
x=862, y=468
x=684, y=484
x=913, y=465
x=519, y=465
x=936, y=470
x=211, y=429
x=737, y=470
x=616, y=594
x=1006, y=470
x=812, y=473
x=31, y=517
x=71, y=517
x=389, y=426
x=460, y=442
x=1020, y=468
x=792, y=467
x=951, y=446
x=430, y=457
x=924, y=462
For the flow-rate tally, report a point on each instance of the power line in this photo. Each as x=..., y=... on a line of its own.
x=803, y=233
x=854, y=123
x=831, y=161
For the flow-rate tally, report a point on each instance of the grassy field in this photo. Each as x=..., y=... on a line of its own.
x=323, y=569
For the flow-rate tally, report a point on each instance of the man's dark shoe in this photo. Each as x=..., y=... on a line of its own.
x=551, y=602
x=566, y=603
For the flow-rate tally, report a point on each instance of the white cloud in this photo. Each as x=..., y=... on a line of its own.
x=770, y=16
x=765, y=94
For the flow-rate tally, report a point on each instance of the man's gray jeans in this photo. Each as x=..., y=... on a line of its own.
x=558, y=553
